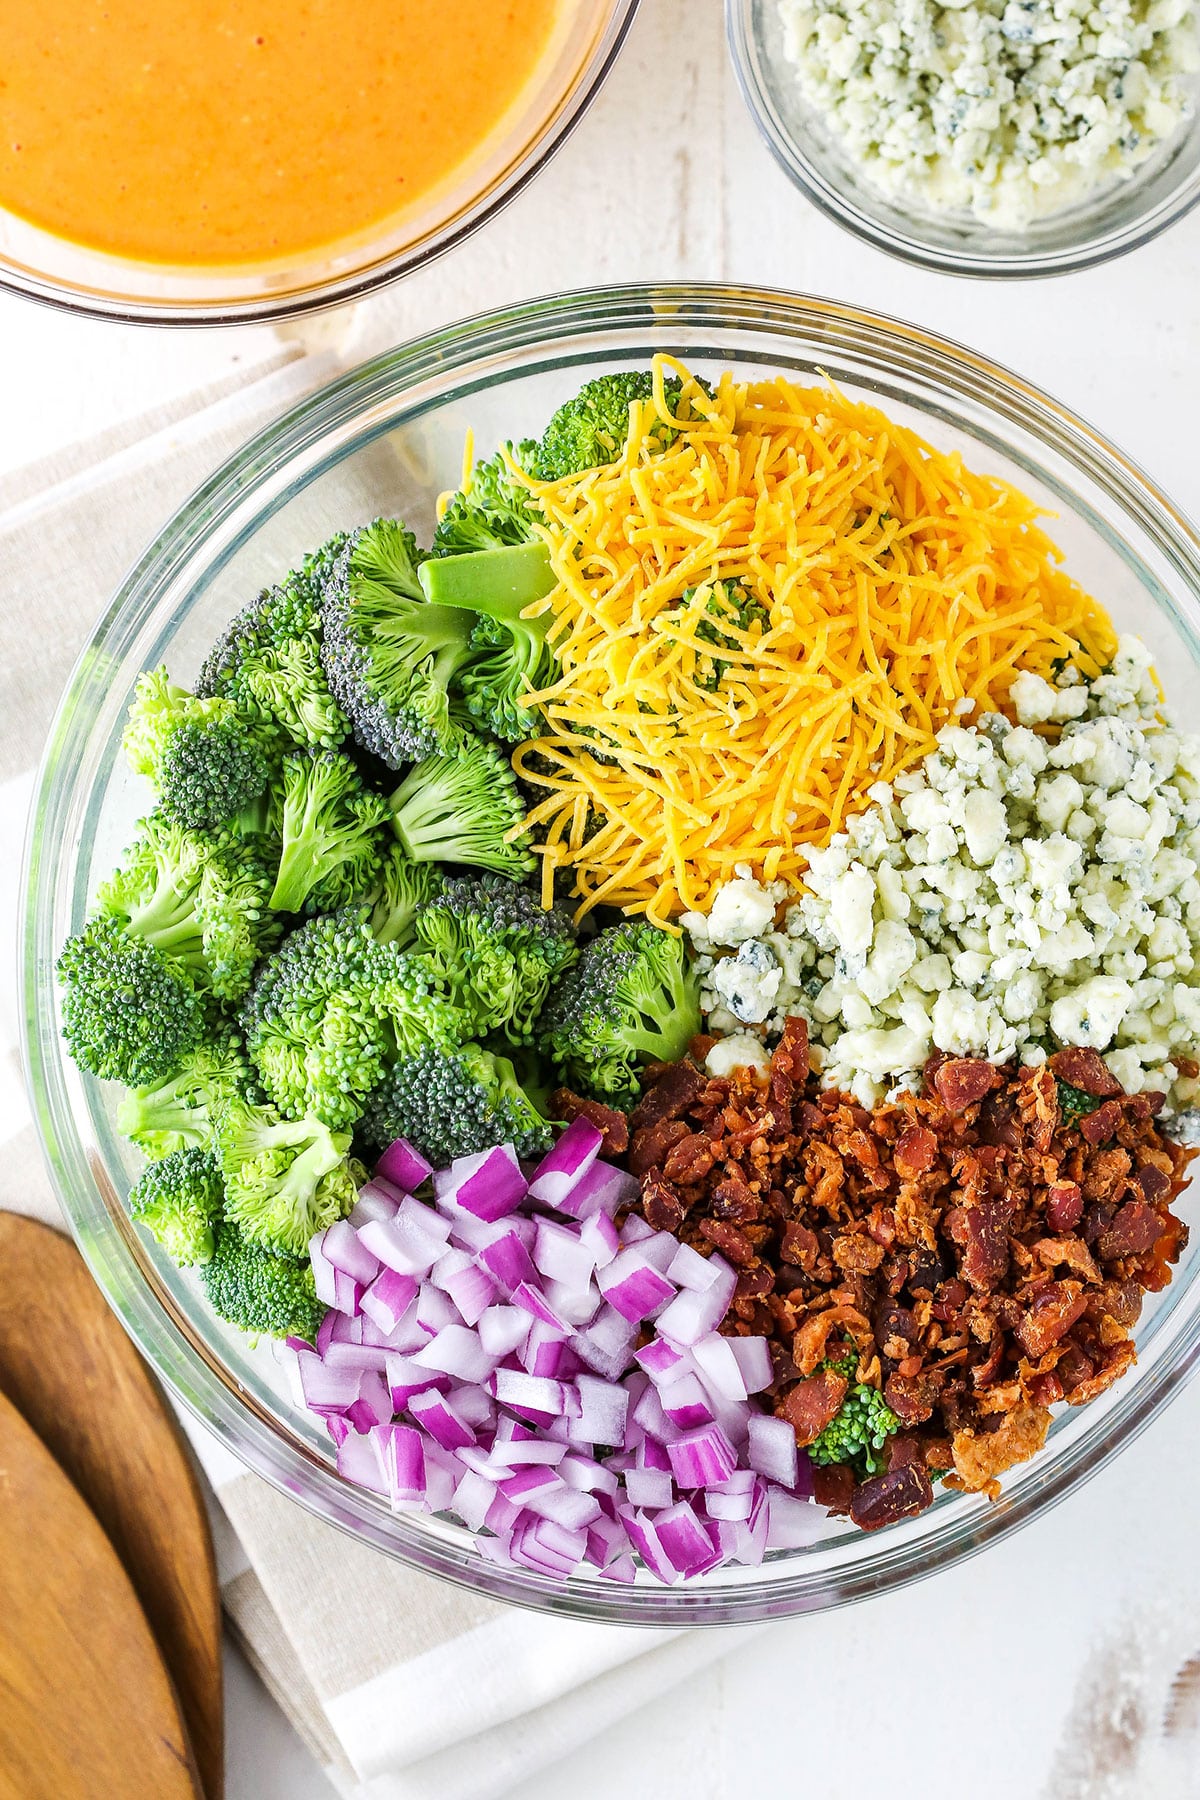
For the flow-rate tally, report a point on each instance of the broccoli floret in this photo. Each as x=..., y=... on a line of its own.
x=461, y=808
x=182, y=1112
x=591, y=429
x=630, y=999
x=330, y=1009
x=491, y=509
x=728, y=603
x=861, y=1428
x=389, y=655
x=452, y=1102
x=266, y=1295
x=206, y=760
x=329, y=822
x=1073, y=1103
x=268, y=661
x=496, y=950
x=285, y=1179
x=403, y=888
x=129, y=1013
x=178, y=1199
x=201, y=901
x=509, y=655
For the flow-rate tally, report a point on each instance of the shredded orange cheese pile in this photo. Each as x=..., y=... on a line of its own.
x=885, y=583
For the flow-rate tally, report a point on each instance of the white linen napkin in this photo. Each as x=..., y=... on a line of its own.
x=404, y=1687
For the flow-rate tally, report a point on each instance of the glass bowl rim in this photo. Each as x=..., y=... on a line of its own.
x=910, y=247
x=346, y=289
x=160, y=1329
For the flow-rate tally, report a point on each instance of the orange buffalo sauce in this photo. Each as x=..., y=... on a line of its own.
x=245, y=131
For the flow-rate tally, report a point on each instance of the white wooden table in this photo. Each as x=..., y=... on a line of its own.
x=959, y=1685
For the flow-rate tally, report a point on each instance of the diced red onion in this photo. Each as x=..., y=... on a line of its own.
x=601, y=1237
x=401, y=1456
x=606, y=1541
x=640, y=1527
x=718, y=1367
x=754, y=1360
x=562, y=1254
x=622, y=1568
x=503, y=1329
x=650, y=1488
x=347, y=1293
x=648, y=1413
x=603, y=1409
x=355, y=1356
x=326, y=1389
x=472, y=1290
x=659, y=1250
x=692, y=1315
x=772, y=1448
x=606, y=1344
x=561, y=1167
x=435, y=1310
x=510, y=1262
x=338, y=1427
x=734, y=1498
x=635, y=1230
x=489, y=1184
x=546, y=1352
x=473, y=1403
x=406, y=1378
x=456, y=1350
x=374, y=1403
x=548, y=1547
x=685, y=1543
x=358, y=1462
x=472, y=1498
x=791, y=1523
x=653, y=1455
x=377, y=1199
x=532, y=1301
x=685, y=1403
x=662, y=1361
x=585, y=1473
x=577, y=1305
x=342, y=1246
x=325, y=1331
x=600, y=1191
x=402, y=1164
x=688, y=1269
x=567, y=1506
x=435, y=1413
x=634, y=1286
x=703, y=1456
x=404, y=1243
x=388, y=1298
x=527, y=1393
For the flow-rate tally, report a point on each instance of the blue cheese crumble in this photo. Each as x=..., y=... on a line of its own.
x=1008, y=109
x=1017, y=891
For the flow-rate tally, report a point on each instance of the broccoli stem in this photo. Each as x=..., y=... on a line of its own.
x=498, y=583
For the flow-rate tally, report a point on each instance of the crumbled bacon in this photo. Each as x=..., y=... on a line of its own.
x=983, y=1256
x=567, y=1106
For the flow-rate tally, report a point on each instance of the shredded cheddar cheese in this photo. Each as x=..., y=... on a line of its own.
x=759, y=622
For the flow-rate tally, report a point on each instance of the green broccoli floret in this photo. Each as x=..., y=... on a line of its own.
x=129, y=1013
x=266, y=1295
x=330, y=1009
x=389, y=655
x=268, y=661
x=509, y=655
x=285, y=1179
x=591, y=429
x=630, y=999
x=452, y=1102
x=461, y=808
x=861, y=1428
x=330, y=825
x=1073, y=1103
x=182, y=1111
x=206, y=760
x=178, y=1199
x=491, y=509
x=201, y=901
x=728, y=604
x=496, y=951
x=403, y=888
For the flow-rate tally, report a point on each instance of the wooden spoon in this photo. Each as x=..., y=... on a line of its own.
x=88, y=1707
x=69, y=1368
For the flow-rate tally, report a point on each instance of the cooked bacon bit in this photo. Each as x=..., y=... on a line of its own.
x=1097, y=1127
x=1050, y=1317
x=1064, y=1205
x=985, y=1258
x=964, y=1080
x=1154, y=1183
x=833, y=1487
x=882, y=1499
x=566, y=1106
x=979, y=1458
x=661, y=1204
x=1133, y=1231
x=915, y=1152
x=1086, y=1070
x=813, y=1403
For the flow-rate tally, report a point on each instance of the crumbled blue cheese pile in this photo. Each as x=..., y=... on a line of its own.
x=1010, y=109
x=1015, y=892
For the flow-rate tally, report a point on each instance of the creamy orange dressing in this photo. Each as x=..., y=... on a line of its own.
x=245, y=131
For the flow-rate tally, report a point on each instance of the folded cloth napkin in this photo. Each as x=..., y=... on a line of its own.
x=405, y=1688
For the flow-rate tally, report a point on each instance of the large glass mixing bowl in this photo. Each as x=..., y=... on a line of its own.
x=387, y=437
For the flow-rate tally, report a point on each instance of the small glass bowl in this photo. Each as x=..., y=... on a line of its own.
x=1115, y=220
x=42, y=266
x=386, y=438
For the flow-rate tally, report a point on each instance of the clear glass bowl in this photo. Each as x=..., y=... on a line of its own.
x=387, y=437
x=1114, y=221
x=52, y=269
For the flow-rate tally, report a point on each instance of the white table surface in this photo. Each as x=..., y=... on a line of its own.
x=668, y=179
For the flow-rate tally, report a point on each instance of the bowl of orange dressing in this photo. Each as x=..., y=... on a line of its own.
x=210, y=160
